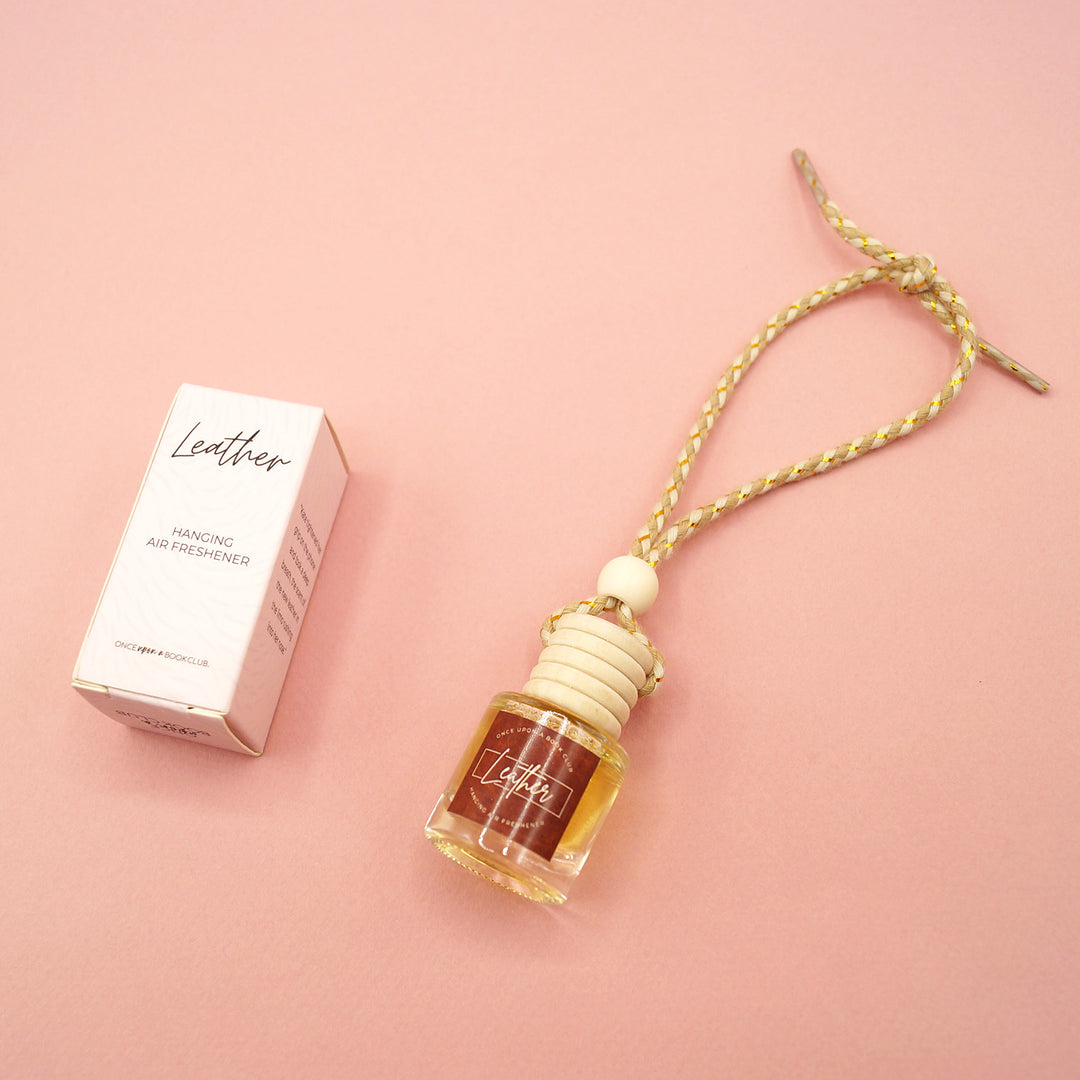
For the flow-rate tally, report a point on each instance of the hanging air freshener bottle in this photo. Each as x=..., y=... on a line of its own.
x=538, y=779
x=536, y=782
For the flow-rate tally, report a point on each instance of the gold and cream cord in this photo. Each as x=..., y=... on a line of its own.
x=627, y=585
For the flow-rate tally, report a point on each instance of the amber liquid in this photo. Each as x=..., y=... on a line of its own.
x=505, y=862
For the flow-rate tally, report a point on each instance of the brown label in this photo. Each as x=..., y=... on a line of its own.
x=525, y=782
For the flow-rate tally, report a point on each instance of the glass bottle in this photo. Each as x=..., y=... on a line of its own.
x=528, y=797
x=535, y=784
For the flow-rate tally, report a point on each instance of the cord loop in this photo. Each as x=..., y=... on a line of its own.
x=914, y=275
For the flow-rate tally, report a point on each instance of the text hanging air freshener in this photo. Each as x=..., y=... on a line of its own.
x=536, y=782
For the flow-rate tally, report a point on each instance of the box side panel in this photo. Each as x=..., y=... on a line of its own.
x=288, y=594
x=164, y=717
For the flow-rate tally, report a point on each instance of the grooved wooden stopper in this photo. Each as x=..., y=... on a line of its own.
x=593, y=668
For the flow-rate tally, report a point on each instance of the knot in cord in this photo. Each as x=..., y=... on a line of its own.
x=913, y=273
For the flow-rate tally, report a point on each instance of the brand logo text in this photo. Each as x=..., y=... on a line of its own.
x=231, y=450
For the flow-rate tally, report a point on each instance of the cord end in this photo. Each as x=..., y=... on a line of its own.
x=1011, y=366
x=809, y=174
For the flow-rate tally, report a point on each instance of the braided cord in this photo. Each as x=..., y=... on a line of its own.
x=911, y=274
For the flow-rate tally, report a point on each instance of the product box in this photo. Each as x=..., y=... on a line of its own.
x=200, y=613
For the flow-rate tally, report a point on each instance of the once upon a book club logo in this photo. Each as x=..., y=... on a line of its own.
x=231, y=450
x=528, y=782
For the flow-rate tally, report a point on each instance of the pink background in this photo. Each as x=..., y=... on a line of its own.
x=509, y=247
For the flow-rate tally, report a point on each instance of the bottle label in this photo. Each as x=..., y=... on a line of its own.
x=525, y=782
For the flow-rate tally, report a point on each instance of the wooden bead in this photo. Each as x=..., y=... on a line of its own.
x=631, y=580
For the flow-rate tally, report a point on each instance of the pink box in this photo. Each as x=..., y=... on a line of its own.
x=200, y=613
